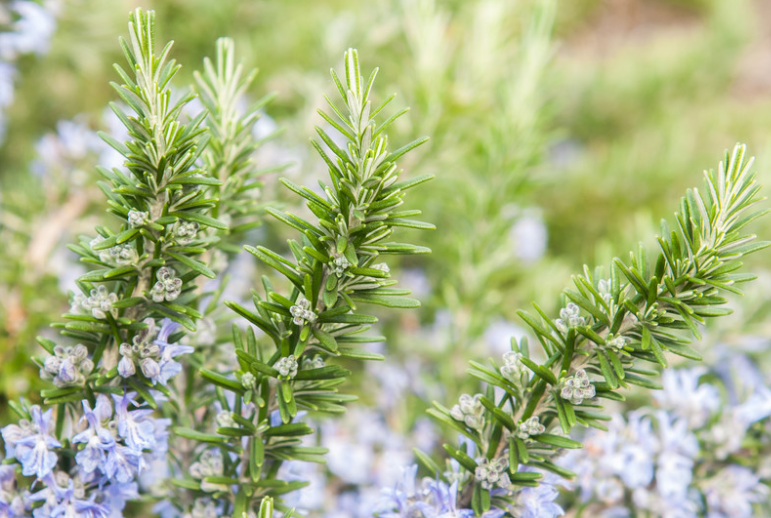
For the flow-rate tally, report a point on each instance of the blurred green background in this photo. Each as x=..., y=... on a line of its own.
x=561, y=132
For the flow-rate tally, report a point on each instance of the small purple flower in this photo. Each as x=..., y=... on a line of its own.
x=98, y=439
x=66, y=501
x=685, y=397
x=123, y=463
x=732, y=492
x=404, y=500
x=13, y=433
x=12, y=502
x=150, y=369
x=33, y=451
x=445, y=499
x=757, y=406
x=126, y=367
x=433, y=498
x=537, y=502
x=136, y=429
x=116, y=496
x=167, y=367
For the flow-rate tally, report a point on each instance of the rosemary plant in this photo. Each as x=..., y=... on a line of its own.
x=86, y=451
x=240, y=406
x=613, y=322
x=334, y=271
x=222, y=89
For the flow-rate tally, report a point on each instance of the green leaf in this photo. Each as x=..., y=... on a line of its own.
x=326, y=340
x=256, y=457
x=387, y=301
x=233, y=431
x=557, y=440
x=608, y=373
x=540, y=371
x=200, y=219
x=348, y=318
x=222, y=381
x=464, y=460
x=195, y=435
x=323, y=373
x=359, y=354
x=196, y=266
x=501, y=416
x=428, y=463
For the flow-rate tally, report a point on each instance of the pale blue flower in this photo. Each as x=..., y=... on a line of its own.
x=134, y=427
x=60, y=501
x=757, y=406
x=637, y=447
x=168, y=367
x=123, y=463
x=116, y=496
x=732, y=492
x=13, y=433
x=13, y=503
x=685, y=397
x=33, y=451
x=679, y=448
x=404, y=500
x=539, y=501
x=98, y=439
x=445, y=501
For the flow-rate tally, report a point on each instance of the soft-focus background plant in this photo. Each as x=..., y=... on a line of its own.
x=561, y=131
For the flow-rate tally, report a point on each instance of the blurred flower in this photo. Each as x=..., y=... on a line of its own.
x=539, y=501
x=685, y=397
x=416, y=280
x=731, y=493
x=656, y=464
x=499, y=333
x=31, y=32
x=13, y=503
x=68, y=154
x=209, y=464
x=309, y=498
x=65, y=496
x=530, y=236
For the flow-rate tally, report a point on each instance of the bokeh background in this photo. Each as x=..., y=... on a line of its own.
x=561, y=133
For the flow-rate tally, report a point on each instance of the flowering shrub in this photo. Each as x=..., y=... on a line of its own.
x=151, y=399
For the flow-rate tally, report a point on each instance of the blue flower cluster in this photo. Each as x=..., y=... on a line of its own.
x=154, y=357
x=677, y=461
x=114, y=440
x=433, y=498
